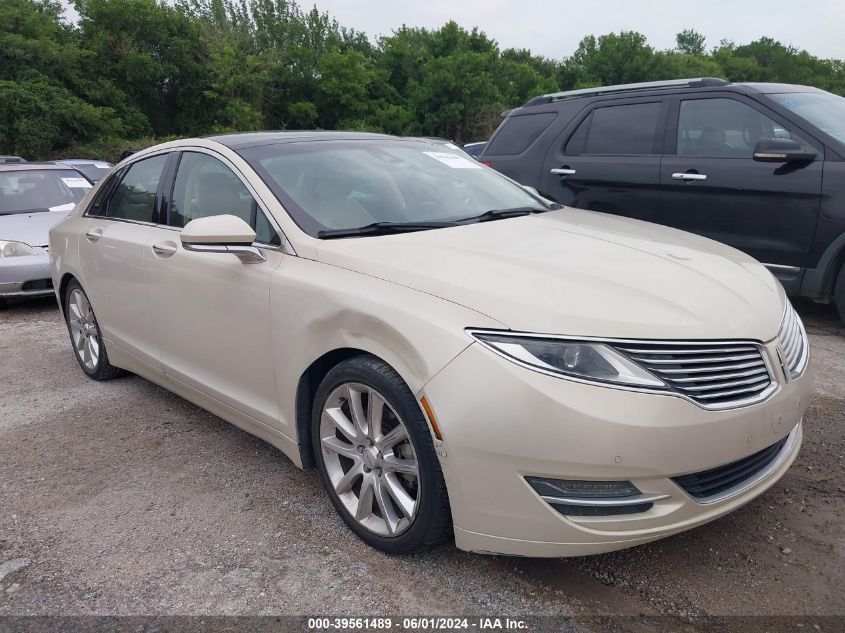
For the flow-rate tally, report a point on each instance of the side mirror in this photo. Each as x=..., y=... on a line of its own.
x=222, y=234
x=781, y=150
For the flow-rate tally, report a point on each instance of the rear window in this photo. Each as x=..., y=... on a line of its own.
x=623, y=129
x=518, y=132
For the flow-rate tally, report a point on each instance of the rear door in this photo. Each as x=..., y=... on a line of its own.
x=117, y=228
x=714, y=187
x=212, y=311
x=610, y=159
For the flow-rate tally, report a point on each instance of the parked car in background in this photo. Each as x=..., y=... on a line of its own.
x=453, y=354
x=10, y=159
x=93, y=170
x=758, y=166
x=33, y=197
x=475, y=149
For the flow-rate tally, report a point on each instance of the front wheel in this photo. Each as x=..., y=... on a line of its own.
x=839, y=293
x=376, y=458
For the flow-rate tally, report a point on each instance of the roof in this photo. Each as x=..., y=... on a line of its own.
x=250, y=139
x=80, y=161
x=33, y=166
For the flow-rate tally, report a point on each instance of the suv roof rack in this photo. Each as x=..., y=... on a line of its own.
x=698, y=82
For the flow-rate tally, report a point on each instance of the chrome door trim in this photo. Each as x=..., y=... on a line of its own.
x=688, y=177
x=247, y=253
x=786, y=269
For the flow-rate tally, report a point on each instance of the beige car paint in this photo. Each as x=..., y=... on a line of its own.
x=236, y=339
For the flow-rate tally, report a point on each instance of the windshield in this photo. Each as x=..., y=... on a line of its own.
x=352, y=184
x=824, y=110
x=93, y=171
x=30, y=190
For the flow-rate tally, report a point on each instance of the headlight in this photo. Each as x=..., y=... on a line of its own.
x=15, y=249
x=595, y=362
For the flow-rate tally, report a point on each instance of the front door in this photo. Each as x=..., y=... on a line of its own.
x=211, y=311
x=712, y=185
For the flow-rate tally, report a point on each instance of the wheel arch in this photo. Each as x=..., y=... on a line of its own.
x=63, y=284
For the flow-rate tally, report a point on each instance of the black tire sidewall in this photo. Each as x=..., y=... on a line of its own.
x=839, y=293
x=374, y=373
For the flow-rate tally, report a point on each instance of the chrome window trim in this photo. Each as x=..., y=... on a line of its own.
x=87, y=213
x=738, y=489
x=787, y=269
x=736, y=404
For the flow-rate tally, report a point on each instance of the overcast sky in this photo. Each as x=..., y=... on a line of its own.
x=553, y=28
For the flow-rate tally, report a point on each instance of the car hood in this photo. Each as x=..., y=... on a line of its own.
x=580, y=273
x=31, y=228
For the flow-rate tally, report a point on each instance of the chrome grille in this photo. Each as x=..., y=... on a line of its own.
x=715, y=375
x=792, y=340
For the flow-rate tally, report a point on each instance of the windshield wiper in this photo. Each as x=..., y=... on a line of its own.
x=382, y=228
x=501, y=214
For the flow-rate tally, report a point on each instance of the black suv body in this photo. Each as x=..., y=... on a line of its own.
x=760, y=167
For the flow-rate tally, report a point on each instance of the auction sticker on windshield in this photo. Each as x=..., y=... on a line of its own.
x=77, y=183
x=453, y=160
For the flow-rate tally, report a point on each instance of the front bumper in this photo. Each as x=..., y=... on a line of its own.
x=27, y=276
x=502, y=423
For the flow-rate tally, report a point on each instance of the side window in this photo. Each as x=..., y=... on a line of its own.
x=518, y=132
x=723, y=128
x=617, y=130
x=134, y=198
x=99, y=203
x=204, y=186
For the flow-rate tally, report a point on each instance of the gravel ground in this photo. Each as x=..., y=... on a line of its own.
x=121, y=498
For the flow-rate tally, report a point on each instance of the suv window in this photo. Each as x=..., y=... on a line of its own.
x=623, y=129
x=518, y=132
x=134, y=198
x=723, y=128
x=205, y=186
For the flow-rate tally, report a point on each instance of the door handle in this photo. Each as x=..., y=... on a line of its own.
x=94, y=234
x=165, y=249
x=680, y=176
x=563, y=171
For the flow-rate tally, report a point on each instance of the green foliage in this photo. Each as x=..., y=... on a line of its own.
x=149, y=70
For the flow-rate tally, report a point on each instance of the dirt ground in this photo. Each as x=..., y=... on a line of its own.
x=120, y=498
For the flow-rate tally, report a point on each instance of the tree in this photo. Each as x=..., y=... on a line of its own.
x=690, y=42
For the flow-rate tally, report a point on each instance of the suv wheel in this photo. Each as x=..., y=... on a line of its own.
x=376, y=458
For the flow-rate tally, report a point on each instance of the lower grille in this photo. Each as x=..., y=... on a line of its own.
x=711, y=483
x=37, y=284
x=712, y=374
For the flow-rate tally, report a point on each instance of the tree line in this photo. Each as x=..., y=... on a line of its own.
x=131, y=72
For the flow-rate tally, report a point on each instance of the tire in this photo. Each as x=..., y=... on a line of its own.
x=366, y=467
x=839, y=293
x=85, y=336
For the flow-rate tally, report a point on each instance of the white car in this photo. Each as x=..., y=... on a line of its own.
x=453, y=354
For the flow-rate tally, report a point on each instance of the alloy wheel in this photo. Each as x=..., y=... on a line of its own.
x=83, y=330
x=369, y=459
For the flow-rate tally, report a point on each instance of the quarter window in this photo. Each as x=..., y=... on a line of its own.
x=134, y=198
x=617, y=130
x=204, y=186
x=723, y=128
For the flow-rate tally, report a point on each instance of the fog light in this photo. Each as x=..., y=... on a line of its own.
x=581, y=489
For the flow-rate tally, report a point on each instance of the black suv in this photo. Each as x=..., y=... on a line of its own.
x=758, y=166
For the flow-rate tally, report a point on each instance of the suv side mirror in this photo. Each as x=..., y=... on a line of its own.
x=781, y=150
x=222, y=234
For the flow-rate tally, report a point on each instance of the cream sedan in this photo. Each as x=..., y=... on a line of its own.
x=455, y=355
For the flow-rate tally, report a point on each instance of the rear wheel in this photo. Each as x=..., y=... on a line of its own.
x=839, y=293
x=376, y=458
x=85, y=335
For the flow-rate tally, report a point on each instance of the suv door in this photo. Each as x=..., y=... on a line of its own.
x=116, y=229
x=212, y=312
x=714, y=187
x=610, y=159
